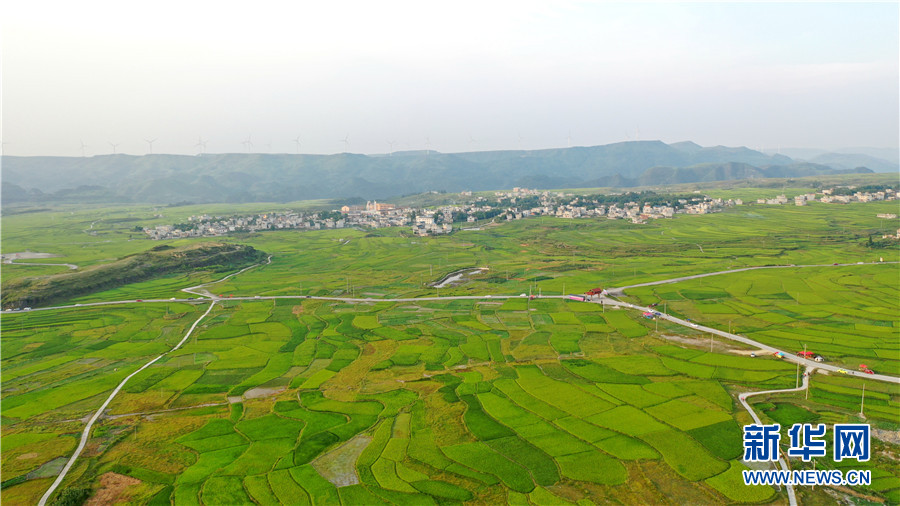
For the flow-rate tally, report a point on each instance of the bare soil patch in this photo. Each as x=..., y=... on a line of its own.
x=256, y=393
x=339, y=465
x=113, y=489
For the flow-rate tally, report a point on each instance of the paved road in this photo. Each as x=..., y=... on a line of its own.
x=85, y=434
x=781, y=461
x=206, y=296
x=621, y=290
x=746, y=340
x=13, y=262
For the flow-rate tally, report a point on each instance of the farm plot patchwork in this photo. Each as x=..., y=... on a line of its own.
x=547, y=401
x=318, y=412
x=847, y=315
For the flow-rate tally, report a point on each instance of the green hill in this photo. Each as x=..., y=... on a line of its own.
x=283, y=177
x=156, y=262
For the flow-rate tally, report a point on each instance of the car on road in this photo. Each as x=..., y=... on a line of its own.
x=842, y=371
x=173, y=298
x=76, y=305
x=139, y=300
x=487, y=296
x=868, y=371
x=256, y=296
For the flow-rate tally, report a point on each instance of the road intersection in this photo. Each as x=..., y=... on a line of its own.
x=204, y=295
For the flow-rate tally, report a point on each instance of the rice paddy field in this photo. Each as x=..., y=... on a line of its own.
x=515, y=401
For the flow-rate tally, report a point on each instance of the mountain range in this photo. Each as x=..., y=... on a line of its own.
x=285, y=177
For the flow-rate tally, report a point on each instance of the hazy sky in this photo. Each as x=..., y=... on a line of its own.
x=449, y=76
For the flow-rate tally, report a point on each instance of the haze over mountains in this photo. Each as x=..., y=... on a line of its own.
x=286, y=177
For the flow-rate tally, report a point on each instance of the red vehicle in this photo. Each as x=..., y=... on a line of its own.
x=594, y=291
x=868, y=371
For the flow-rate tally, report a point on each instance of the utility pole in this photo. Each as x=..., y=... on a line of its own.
x=664, y=308
x=710, y=343
x=564, y=290
x=798, y=375
x=862, y=401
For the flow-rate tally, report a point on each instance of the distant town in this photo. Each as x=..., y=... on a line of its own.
x=519, y=203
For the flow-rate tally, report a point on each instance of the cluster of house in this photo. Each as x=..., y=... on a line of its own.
x=829, y=197
x=628, y=211
x=425, y=224
x=206, y=226
x=512, y=205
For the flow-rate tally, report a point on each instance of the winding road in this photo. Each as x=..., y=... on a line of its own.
x=13, y=262
x=792, y=497
x=204, y=295
x=85, y=434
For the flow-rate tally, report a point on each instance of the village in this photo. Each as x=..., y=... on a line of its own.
x=516, y=204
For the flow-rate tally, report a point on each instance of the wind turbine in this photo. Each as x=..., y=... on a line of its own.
x=248, y=143
x=201, y=143
x=427, y=145
x=297, y=142
x=83, y=145
x=391, y=144
x=114, y=146
x=472, y=141
x=346, y=141
x=150, y=142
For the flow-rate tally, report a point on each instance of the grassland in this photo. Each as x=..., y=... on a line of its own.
x=543, y=401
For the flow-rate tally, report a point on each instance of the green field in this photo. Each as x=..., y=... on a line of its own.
x=430, y=402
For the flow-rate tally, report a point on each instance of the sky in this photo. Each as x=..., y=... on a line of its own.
x=93, y=77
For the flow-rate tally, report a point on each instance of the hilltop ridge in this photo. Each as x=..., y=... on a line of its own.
x=252, y=177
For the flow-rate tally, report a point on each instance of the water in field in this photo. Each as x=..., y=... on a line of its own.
x=455, y=277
